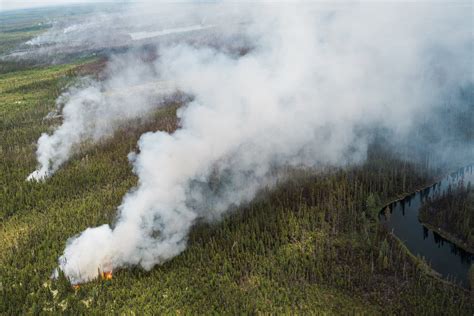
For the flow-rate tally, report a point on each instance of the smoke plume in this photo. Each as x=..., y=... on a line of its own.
x=317, y=80
x=93, y=110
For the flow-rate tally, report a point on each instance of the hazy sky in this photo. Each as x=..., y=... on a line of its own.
x=21, y=4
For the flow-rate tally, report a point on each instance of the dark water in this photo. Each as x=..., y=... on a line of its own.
x=450, y=261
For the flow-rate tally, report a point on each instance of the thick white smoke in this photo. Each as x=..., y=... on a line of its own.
x=94, y=110
x=316, y=77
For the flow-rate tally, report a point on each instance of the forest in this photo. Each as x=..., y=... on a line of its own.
x=312, y=244
x=452, y=212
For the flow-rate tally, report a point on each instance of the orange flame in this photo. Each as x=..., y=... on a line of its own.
x=106, y=275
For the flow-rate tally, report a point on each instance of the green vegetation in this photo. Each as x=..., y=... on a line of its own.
x=453, y=213
x=312, y=244
x=17, y=27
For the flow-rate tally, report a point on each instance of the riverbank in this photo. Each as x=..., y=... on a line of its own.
x=446, y=235
x=440, y=253
x=451, y=214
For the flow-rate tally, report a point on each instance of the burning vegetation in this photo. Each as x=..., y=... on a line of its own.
x=103, y=275
x=309, y=243
x=106, y=275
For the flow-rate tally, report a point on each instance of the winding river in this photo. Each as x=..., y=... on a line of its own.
x=451, y=261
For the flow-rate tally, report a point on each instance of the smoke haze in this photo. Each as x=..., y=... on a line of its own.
x=315, y=83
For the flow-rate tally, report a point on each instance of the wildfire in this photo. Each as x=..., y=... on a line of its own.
x=106, y=275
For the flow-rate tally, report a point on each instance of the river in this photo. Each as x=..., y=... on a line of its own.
x=451, y=261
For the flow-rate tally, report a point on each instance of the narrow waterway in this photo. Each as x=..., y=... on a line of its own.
x=451, y=261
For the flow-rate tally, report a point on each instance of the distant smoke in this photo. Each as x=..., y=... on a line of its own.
x=317, y=81
x=118, y=27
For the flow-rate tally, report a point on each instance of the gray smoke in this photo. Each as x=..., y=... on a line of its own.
x=117, y=27
x=316, y=76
